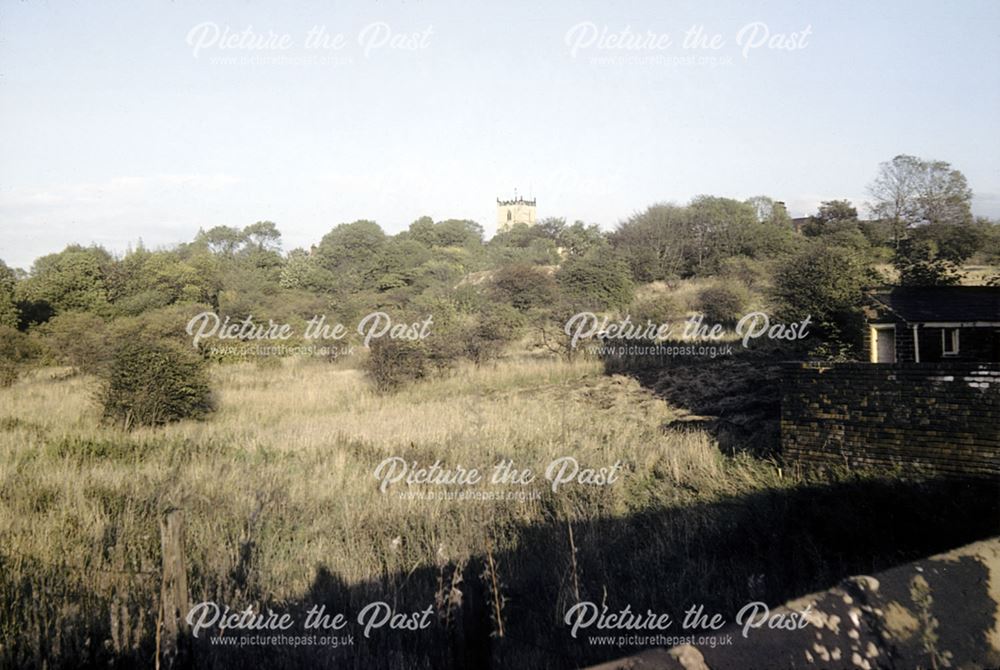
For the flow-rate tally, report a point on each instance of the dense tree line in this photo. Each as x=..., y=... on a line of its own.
x=526, y=280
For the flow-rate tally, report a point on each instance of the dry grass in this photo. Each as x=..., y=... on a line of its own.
x=285, y=467
x=280, y=501
x=972, y=275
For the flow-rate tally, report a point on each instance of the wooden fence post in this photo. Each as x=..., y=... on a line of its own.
x=174, y=600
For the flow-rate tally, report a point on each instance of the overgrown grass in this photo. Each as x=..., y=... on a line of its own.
x=277, y=490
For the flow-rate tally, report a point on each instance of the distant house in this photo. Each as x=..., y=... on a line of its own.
x=935, y=323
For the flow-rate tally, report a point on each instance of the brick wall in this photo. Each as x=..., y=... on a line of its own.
x=936, y=418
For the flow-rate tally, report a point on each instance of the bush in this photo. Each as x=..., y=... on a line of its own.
x=524, y=286
x=165, y=323
x=151, y=382
x=827, y=284
x=657, y=309
x=8, y=373
x=16, y=349
x=394, y=363
x=723, y=303
x=597, y=280
x=78, y=339
x=493, y=330
x=749, y=271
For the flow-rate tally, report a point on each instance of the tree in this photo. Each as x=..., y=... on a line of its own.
x=667, y=241
x=223, y=240
x=943, y=195
x=836, y=221
x=893, y=192
x=722, y=303
x=720, y=227
x=769, y=211
x=955, y=243
x=8, y=308
x=448, y=233
x=145, y=280
x=522, y=243
x=826, y=284
x=836, y=210
x=78, y=339
x=763, y=207
x=264, y=235
x=919, y=264
x=349, y=252
x=580, y=238
x=494, y=328
x=524, y=286
x=396, y=262
x=73, y=279
x=651, y=242
x=151, y=382
x=422, y=230
x=990, y=245
x=458, y=233
x=600, y=281
x=392, y=364
x=16, y=349
x=907, y=191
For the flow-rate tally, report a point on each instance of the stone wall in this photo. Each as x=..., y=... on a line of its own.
x=941, y=418
x=941, y=612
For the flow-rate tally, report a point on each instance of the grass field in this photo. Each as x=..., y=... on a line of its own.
x=279, y=498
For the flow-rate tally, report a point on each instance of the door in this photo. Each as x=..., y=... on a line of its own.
x=885, y=345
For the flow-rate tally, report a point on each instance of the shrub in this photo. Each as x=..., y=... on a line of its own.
x=151, y=382
x=394, y=363
x=493, y=330
x=919, y=263
x=723, y=303
x=78, y=339
x=598, y=280
x=16, y=349
x=524, y=286
x=657, y=309
x=165, y=323
x=8, y=373
x=749, y=271
x=826, y=284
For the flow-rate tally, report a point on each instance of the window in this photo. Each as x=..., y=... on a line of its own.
x=509, y=216
x=949, y=342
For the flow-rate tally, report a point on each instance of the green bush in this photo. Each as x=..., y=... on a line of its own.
x=393, y=363
x=750, y=271
x=78, y=339
x=723, y=303
x=151, y=382
x=493, y=330
x=524, y=286
x=598, y=280
x=16, y=349
x=657, y=309
x=827, y=284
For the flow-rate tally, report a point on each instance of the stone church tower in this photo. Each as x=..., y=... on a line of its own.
x=514, y=211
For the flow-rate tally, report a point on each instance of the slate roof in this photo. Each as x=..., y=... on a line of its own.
x=942, y=303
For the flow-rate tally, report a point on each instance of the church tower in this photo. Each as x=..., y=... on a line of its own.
x=514, y=211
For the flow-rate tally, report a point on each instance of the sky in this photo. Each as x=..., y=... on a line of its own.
x=147, y=120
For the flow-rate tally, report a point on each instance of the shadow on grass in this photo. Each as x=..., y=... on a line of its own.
x=770, y=546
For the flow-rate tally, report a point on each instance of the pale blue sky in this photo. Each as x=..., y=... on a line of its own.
x=112, y=129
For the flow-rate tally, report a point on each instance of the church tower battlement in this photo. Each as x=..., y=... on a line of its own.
x=518, y=210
